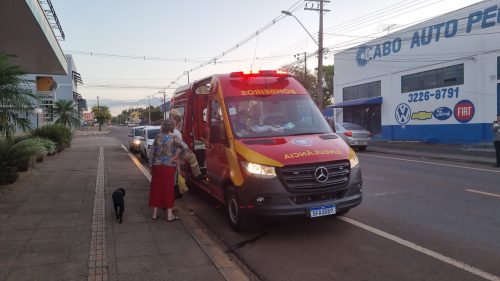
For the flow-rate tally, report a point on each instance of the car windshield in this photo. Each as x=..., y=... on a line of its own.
x=138, y=131
x=351, y=126
x=152, y=133
x=275, y=115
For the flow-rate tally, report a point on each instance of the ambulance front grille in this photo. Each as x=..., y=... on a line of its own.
x=301, y=178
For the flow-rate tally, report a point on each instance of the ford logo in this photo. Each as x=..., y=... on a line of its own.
x=442, y=113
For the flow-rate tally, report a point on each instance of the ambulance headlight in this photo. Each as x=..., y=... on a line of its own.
x=353, y=159
x=258, y=170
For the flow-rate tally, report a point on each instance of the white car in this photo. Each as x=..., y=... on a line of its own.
x=148, y=135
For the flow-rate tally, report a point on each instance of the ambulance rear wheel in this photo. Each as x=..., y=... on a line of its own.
x=235, y=218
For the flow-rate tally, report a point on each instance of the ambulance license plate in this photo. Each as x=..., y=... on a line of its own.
x=320, y=211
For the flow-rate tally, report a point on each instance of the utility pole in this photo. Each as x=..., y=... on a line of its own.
x=305, y=61
x=149, y=102
x=98, y=113
x=319, y=7
x=164, y=105
x=187, y=72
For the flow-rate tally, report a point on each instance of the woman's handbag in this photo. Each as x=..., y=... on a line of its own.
x=181, y=182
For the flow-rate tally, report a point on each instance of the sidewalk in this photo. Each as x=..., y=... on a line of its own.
x=478, y=154
x=57, y=223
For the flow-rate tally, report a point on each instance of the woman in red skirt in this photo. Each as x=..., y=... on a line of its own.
x=164, y=153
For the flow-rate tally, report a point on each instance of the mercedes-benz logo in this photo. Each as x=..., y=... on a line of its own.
x=321, y=174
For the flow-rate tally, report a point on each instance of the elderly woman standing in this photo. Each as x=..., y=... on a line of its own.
x=164, y=153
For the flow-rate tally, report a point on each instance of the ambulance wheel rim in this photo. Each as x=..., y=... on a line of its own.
x=233, y=210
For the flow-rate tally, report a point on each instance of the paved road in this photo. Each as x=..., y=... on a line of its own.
x=420, y=220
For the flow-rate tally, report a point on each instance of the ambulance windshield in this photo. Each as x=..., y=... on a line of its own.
x=275, y=115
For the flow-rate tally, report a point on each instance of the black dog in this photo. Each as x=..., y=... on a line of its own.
x=119, y=203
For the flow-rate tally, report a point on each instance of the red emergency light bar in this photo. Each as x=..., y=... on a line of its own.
x=260, y=73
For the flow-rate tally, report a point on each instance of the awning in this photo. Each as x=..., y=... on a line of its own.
x=368, y=101
x=28, y=39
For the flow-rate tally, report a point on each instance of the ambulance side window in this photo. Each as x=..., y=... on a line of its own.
x=217, y=128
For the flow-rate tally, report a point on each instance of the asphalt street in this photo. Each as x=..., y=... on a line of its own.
x=419, y=220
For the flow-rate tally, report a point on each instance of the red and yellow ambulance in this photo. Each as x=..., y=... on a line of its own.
x=265, y=148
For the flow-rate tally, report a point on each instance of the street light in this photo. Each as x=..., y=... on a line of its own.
x=319, y=86
x=292, y=15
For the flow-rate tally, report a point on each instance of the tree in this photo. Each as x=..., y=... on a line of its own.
x=309, y=81
x=66, y=113
x=102, y=114
x=306, y=79
x=16, y=101
x=156, y=114
x=328, y=71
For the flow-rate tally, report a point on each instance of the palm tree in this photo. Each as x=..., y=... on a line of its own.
x=16, y=101
x=66, y=113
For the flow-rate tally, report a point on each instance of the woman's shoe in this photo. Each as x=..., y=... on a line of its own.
x=175, y=218
x=154, y=218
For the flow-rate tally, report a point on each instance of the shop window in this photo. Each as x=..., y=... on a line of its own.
x=431, y=79
x=363, y=91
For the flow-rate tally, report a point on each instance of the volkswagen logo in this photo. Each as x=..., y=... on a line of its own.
x=321, y=174
x=402, y=113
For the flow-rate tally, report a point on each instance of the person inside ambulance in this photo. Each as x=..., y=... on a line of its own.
x=246, y=125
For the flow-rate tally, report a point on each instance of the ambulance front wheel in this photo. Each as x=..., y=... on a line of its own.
x=236, y=218
x=342, y=212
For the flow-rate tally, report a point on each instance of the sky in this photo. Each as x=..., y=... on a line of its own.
x=129, y=52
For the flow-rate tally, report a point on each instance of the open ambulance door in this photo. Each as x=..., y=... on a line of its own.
x=217, y=167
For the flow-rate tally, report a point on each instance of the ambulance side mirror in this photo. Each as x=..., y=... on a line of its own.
x=331, y=123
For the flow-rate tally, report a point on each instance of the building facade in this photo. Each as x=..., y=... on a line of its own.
x=437, y=81
x=51, y=88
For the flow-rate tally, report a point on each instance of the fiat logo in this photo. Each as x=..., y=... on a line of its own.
x=321, y=174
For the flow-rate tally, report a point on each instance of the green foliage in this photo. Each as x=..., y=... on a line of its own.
x=57, y=133
x=102, y=114
x=50, y=146
x=66, y=113
x=329, y=71
x=309, y=81
x=8, y=171
x=305, y=78
x=25, y=152
x=16, y=102
x=18, y=154
x=156, y=115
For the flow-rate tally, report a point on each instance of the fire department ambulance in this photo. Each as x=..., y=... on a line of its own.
x=265, y=148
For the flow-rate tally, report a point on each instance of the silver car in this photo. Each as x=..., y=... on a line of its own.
x=354, y=135
x=133, y=138
x=148, y=135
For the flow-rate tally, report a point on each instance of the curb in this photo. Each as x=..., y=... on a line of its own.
x=213, y=248
x=434, y=156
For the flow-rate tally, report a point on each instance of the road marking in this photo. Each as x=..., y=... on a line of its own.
x=229, y=269
x=98, y=263
x=432, y=163
x=138, y=164
x=483, y=193
x=453, y=262
x=390, y=193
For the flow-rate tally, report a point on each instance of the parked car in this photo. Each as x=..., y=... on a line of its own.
x=354, y=135
x=134, y=138
x=148, y=135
